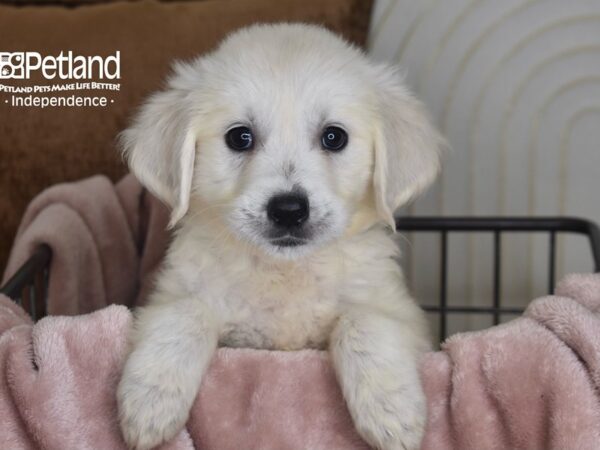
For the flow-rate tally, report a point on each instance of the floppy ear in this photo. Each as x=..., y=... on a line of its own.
x=407, y=147
x=160, y=149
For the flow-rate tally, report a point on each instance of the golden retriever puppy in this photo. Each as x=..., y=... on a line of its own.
x=283, y=156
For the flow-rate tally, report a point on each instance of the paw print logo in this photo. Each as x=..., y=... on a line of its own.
x=11, y=65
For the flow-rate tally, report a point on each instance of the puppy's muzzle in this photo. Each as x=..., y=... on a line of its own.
x=288, y=211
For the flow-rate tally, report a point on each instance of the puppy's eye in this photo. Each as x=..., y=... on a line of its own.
x=334, y=139
x=239, y=139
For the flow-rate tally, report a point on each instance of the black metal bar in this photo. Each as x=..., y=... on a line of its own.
x=473, y=309
x=45, y=281
x=551, y=262
x=570, y=224
x=497, y=263
x=443, y=283
x=39, y=260
x=593, y=233
x=32, y=300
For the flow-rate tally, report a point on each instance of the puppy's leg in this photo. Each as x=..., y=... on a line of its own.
x=173, y=342
x=375, y=356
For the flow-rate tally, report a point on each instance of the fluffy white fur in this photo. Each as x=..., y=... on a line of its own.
x=225, y=283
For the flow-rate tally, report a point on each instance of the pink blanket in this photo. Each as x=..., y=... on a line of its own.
x=533, y=383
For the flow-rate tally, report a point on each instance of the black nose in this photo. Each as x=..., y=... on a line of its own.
x=288, y=210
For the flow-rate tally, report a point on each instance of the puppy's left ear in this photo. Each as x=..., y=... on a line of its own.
x=407, y=146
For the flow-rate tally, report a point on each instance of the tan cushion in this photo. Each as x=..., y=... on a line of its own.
x=40, y=147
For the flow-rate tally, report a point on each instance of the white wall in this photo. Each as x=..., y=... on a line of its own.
x=515, y=87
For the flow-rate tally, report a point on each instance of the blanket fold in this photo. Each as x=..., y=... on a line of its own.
x=105, y=241
x=532, y=383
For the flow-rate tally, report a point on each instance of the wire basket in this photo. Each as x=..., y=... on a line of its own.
x=28, y=287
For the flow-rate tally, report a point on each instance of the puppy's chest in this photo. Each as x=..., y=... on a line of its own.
x=281, y=310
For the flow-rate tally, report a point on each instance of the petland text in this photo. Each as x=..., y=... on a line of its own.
x=20, y=65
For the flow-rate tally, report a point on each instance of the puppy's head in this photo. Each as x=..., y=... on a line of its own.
x=286, y=137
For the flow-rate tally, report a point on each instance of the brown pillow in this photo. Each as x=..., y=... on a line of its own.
x=40, y=147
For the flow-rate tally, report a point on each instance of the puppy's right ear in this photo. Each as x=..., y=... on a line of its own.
x=160, y=149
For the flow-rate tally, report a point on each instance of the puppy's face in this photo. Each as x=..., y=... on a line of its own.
x=281, y=136
x=289, y=153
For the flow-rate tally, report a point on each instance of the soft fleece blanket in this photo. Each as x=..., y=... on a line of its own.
x=529, y=384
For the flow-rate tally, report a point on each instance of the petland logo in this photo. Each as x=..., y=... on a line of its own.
x=73, y=80
x=20, y=65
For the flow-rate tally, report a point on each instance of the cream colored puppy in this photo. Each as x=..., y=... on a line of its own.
x=283, y=156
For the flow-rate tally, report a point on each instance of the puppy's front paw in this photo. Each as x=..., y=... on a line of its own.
x=149, y=414
x=392, y=420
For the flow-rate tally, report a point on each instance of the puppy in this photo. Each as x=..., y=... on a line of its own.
x=283, y=156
